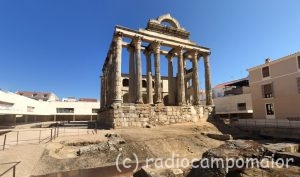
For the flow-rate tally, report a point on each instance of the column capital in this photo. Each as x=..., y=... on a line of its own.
x=137, y=40
x=206, y=54
x=155, y=46
x=195, y=51
x=179, y=50
x=170, y=56
x=130, y=48
x=118, y=35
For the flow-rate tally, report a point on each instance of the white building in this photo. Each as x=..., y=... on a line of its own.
x=233, y=99
x=15, y=108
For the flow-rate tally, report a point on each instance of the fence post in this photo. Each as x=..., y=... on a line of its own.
x=57, y=132
x=14, y=171
x=54, y=133
x=17, y=137
x=4, y=142
x=51, y=135
x=96, y=127
x=40, y=137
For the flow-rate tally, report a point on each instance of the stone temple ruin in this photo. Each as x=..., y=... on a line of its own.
x=134, y=100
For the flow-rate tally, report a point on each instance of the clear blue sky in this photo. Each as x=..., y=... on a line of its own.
x=60, y=45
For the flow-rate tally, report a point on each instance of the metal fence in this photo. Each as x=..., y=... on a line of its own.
x=39, y=136
x=11, y=168
x=268, y=123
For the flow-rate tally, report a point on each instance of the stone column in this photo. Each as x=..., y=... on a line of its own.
x=109, y=78
x=185, y=80
x=158, y=89
x=132, y=75
x=137, y=44
x=208, y=90
x=102, y=92
x=105, y=89
x=117, y=69
x=196, y=98
x=149, y=78
x=171, y=97
x=181, y=86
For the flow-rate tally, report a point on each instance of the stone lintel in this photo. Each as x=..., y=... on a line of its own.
x=171, y=42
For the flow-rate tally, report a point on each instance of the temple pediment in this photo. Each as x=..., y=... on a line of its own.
x=167, y=25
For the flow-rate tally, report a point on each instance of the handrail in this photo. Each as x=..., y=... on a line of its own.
x=12, y=167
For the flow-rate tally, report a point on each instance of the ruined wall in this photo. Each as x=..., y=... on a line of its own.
x=135, y=115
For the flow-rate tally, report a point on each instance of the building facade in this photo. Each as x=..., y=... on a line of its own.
x=233, y=99
x=16, y=109
x=275, y=88
x=158, y=39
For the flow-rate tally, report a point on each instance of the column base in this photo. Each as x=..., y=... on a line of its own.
x=117, y=101
x=182, y=104
x=139, y=102
x=196, y=103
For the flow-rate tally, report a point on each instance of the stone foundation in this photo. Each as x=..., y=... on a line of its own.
x=141, y=115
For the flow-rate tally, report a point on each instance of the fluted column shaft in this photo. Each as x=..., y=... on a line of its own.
x=110, y=76
x=196, y=98
x=171, y=97
x=181, y=87
x=137, y=43
x=105, y=89
x=208, y=90
x=132, y=75
x=117, y=69
x=156, y=50
x=149, y=78
x=102, y=91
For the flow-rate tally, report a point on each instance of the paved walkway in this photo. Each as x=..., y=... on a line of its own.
x=28, y=154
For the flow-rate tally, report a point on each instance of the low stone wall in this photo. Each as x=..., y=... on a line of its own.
x=142, y=115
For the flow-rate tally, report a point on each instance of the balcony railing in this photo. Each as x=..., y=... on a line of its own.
x=234, y=91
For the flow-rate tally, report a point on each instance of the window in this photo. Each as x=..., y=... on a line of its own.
x=298, y=59
x=65, y=110
x=241, y=106
x=125, y=82
x=30, y=108
x=298, y=84
x=5, y=105
x=267, y=91
x=144, y=83
x=266, y=71
x=95, y=110
x=45, y=95
x=270, y=109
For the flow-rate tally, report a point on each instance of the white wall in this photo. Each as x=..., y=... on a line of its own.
x=228, y=104
x=42, y=107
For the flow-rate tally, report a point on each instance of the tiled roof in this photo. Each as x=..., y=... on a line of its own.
x=35, y=95
x=88, y=99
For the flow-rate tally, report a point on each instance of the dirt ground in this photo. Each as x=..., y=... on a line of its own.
x=187, y=140
x=182, y=140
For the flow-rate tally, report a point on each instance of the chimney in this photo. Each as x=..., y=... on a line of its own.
x=268, y=60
